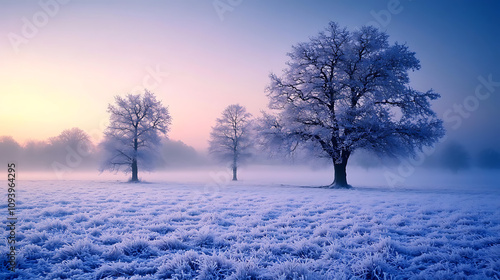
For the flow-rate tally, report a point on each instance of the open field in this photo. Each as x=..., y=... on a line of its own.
x=93, y=229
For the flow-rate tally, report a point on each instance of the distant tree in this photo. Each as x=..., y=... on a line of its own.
x=229, y=139
x=75, y=139
x=455, y=157
x=69, y=150
x=71, y=136
x=489, y=158
x=137, y=123
x=9, y=148
x=343, y=91
x=36, y=155
x=176, y=154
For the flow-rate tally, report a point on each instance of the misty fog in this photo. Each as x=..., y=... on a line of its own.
x=449, y=164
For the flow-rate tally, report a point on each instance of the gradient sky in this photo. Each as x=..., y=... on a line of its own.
x=65, y=73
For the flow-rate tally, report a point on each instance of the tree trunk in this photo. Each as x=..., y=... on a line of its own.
x=340, y=174
x=235, y=164
x=234, y=173
x=340, y=179
x=135, y=170
x=135, y=178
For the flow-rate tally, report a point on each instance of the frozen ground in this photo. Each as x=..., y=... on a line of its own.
x=97, y=229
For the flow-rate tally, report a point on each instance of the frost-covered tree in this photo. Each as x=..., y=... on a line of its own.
x=347, y=90
x=137, y=123
x=229, y=139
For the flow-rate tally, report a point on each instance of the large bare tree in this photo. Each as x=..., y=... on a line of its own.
x=348, y=90
x=137, y=123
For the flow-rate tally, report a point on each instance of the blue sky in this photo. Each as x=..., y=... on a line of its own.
x=202, y=59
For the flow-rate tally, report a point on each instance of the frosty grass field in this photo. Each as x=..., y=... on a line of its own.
x=98, y=229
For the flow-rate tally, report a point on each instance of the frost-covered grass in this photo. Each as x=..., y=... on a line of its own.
x=99, y=229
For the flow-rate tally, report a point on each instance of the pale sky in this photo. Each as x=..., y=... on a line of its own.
x=62, y=64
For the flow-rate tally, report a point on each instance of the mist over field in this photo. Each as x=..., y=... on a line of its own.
x=449, y=165
x=296, y=175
